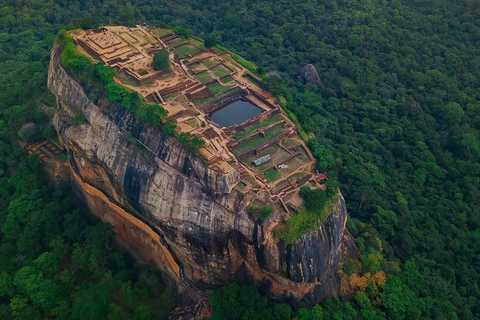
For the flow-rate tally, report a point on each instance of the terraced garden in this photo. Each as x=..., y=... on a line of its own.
x=227, y=79
x=210, y=62
x=161, y=32
x=245, y=132
x=217, y=88
x=186, y=50
x=259, y=140
x=204, y=77
x=220, y=71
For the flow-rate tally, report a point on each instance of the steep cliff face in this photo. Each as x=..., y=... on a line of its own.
x=169, y=209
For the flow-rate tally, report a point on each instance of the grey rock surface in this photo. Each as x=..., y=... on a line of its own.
x=310, y=74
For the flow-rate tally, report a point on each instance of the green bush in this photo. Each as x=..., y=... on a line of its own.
x=115, y=92
x=49, y=132
x=310, y=217
x=210, y=42
x=152, y=113
x=161, y=60
x=262, y=212
x=351, y=266
x=192, y=142
x=314, y=200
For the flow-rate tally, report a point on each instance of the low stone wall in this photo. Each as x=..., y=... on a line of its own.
x=261, y=117
x=217, y=104
x=262, y=99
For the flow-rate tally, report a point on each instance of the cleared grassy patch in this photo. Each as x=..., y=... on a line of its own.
x=186, y=50
x=253, y=80
x=204, y=77
x=259, y=140
x=218, y=88
x=293, y=164
x=128, y=80
x=271, y=175
x=220, y=71
x=227, y=79
x=210, y=62
x=198, y=102
x=298, y=176
x=170, y=96
x=161, y=32
x=192, y=123
x=289, y=142
x=196, y=41
x=261, y=212
x=247, y=64
x=251, y=129
x=62, y=157
x=198, y=67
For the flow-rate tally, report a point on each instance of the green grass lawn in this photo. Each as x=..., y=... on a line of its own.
x=248, y=77
x=128, y=80
x=250, y=129
x=196, y=42
x=161, y=32
x=271, y=175
x=227, y=79
x=258, y=141
x=198, y=102
x=185, y=50
x=210, y=62
x=62, y=157
x=170, y=96
x=247, y=64
x=218, y=88
x=220, y=71
x=289, y=142
x=204, y=77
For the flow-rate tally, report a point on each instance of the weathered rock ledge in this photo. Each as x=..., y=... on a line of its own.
x=170, y=210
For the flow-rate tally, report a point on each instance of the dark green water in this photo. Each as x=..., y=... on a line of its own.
x=235, y=113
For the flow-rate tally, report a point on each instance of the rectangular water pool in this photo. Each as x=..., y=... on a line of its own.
x=235, y=113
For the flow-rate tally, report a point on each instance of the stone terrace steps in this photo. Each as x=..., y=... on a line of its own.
x=177, y=88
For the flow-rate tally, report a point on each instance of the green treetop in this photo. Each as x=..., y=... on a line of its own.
x=160, y=60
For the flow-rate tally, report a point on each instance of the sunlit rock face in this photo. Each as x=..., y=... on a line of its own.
x=168, y=209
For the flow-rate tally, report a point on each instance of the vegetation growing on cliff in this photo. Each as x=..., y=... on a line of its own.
x=261, y=212
x=397, y=110
x=314, y=212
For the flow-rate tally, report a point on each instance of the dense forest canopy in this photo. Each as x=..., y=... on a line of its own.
x=396, y=118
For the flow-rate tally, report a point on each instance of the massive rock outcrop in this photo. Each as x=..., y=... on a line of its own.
x=310, y=74
x=170, y=210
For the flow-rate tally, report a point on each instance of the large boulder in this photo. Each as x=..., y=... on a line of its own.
x=310, y=74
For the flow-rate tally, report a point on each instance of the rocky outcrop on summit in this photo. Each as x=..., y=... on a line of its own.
x=170, y=210
x=310, y=74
